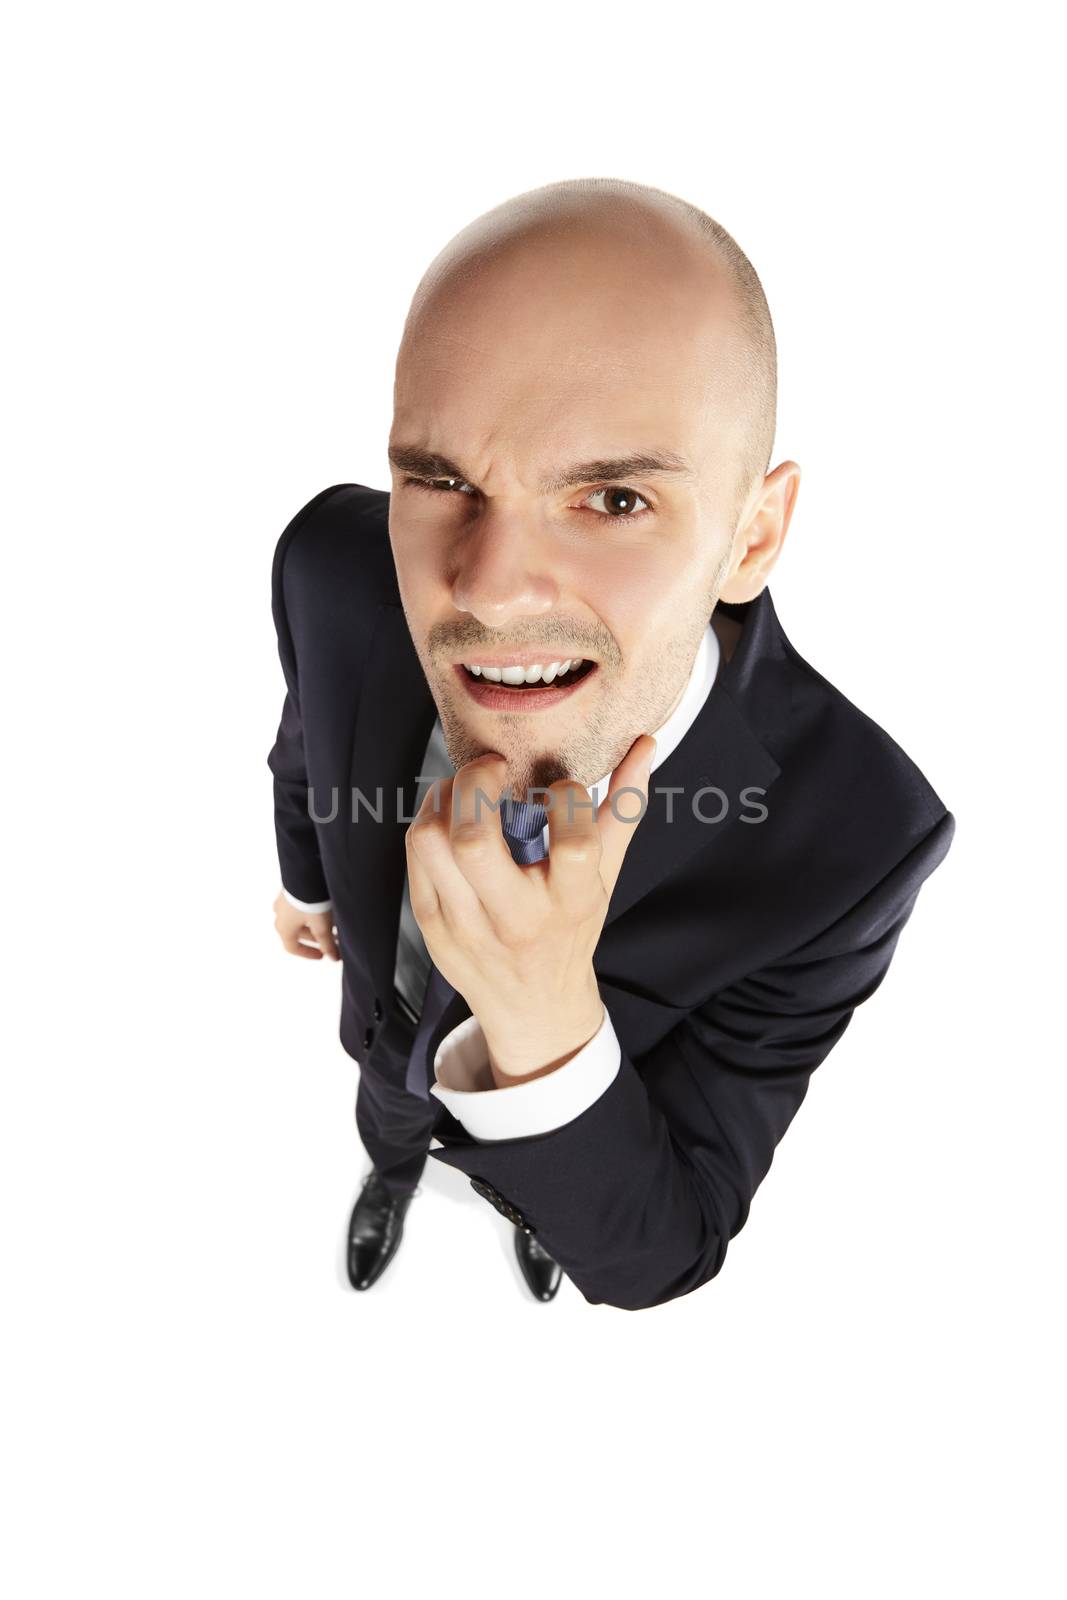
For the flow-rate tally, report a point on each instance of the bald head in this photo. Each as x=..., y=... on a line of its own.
x=618, y=283
x=583, y=415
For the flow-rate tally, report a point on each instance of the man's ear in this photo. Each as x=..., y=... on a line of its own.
x=761, y=534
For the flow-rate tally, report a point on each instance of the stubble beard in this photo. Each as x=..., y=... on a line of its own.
x=600, y=740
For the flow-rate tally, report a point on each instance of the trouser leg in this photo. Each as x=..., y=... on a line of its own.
x=395, y=1126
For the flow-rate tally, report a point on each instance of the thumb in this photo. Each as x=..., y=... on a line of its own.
x=617, y=819
x=321, y=929
x=635, y=767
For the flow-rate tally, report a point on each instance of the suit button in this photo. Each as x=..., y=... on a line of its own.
x=501, y=1204
x=377, y=1009
x=368, y=1038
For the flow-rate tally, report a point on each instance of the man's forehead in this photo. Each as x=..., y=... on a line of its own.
x=541, y=388
x=548, y=434
x=549, y=316
x=611, y=341
x=628, y=386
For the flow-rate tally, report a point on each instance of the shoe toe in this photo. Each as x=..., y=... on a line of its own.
x=363, y=1262
x=540, y=1272
x=374, y=1232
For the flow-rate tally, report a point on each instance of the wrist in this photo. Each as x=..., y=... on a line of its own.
x=518, y=1054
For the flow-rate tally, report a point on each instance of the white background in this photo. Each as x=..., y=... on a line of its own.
x=216, y=216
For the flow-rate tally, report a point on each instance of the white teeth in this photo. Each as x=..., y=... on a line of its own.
x=538, y=673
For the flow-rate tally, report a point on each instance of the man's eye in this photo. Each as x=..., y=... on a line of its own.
x=624, y=512
x=436, y=485
x=622, y=500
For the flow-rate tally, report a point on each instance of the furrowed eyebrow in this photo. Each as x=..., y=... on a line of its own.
x=647, y=464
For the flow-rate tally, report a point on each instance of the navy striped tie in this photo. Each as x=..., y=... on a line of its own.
x=522, y=823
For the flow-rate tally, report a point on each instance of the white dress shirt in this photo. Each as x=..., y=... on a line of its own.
x=464, y=1083
x=307, y=905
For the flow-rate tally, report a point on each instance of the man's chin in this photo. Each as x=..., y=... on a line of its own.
x=526, y=768
x=521, y=774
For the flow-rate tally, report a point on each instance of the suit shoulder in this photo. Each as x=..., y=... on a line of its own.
x=870, y=788
x=340, y=536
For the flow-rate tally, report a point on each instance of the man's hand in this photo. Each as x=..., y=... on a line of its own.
x=518, y=941
x=316, y=925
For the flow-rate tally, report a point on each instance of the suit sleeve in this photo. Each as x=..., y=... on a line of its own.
x=298, y=850
x=638, y=1197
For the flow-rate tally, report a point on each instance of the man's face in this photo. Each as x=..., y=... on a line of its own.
x=556, y=359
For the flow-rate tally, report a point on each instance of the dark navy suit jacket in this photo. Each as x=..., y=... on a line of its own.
x=734, y=952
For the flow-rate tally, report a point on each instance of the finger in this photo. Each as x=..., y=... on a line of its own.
x=476, y=837
x=620, y=813
x=575, y=846
x=421, y=890
x=323, y=935
x=310, y=952
x=429, y=840
x=425, y=905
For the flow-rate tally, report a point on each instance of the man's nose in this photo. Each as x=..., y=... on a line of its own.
x=503, y=570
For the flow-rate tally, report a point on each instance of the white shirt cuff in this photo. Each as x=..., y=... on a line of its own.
x=307, y=905
x=464, y=1084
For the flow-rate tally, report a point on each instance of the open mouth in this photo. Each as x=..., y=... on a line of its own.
x=524, y=696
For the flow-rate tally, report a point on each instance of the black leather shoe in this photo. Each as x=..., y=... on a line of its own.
x=543, y=1275
x=374, y=1231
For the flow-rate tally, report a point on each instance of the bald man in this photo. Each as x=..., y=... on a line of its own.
x=608, y=866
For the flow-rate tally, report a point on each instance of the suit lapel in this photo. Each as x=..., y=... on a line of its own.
x=718, y=759
x=727, y=751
